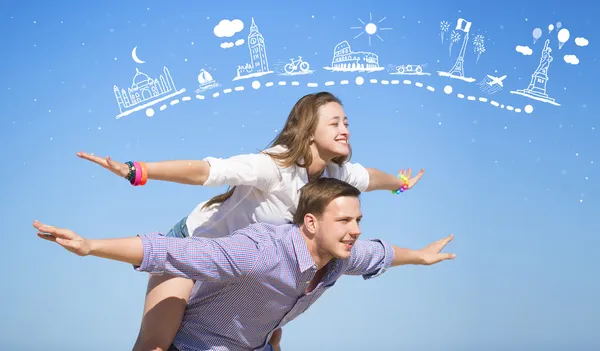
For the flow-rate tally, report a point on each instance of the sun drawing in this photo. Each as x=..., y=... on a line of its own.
x=370, y=28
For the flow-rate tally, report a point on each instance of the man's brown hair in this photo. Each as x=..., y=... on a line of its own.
x=317, y=194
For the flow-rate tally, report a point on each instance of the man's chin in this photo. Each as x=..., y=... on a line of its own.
x=343, y=255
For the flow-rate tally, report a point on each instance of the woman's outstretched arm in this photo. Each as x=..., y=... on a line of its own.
x=257, y=170
x=379, y=180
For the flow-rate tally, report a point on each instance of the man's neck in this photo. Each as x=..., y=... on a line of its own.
x=321, y=259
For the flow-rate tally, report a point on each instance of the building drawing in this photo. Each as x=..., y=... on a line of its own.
x=259, y=64
x=346, y=60
x=145, y=91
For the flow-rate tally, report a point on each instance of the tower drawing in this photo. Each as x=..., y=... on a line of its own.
x=539, y=79
x=258, y=51
x=458, y=69
x=259, y=64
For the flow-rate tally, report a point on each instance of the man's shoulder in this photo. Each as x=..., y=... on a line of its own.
x=264, y=233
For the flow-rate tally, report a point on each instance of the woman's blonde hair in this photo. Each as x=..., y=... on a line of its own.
x=296, y=137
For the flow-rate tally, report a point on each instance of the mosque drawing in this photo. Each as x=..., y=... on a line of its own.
x=346, y=60
x=259, y=64
x=145, y=92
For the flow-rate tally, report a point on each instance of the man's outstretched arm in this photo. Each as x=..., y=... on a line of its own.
x=371, y=258
x=203, y=259
x=428, y=255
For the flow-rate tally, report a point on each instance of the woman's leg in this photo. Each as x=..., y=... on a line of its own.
x=276, y=340
x=166, y=299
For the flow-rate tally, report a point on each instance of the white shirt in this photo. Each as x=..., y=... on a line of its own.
x=265, y=192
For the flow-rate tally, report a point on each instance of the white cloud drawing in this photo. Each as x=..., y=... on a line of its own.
x=239, y=42
x=227, y=45
x=572, y=59
x=581, y=41
x=227, y=28
x=525, y=50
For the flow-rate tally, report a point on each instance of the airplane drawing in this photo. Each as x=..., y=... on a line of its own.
x=496, y=80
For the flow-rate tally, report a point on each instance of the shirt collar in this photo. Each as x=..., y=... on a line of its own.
x=305, y=260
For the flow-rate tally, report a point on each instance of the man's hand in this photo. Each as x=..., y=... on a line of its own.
x=64, y=237
x=432, y=254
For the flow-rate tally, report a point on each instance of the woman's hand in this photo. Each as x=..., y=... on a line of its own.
x=117, y=168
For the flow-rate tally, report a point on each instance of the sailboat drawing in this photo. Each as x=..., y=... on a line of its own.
x=206, y=81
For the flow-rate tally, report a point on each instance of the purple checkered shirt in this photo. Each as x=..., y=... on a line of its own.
x=250, y=283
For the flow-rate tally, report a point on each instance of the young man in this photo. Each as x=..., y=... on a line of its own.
x=263, y=276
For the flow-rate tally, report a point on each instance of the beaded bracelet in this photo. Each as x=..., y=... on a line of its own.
x=404, y=186
x=138, y=173
x=131, y=175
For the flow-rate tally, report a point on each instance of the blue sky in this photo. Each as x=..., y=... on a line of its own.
x=519, y=190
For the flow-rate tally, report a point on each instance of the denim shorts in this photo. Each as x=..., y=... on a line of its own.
x=179, y=230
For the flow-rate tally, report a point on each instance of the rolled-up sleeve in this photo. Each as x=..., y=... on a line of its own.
x=198, y=258
x=257, y=170
x=354, y=174
x=370, y=258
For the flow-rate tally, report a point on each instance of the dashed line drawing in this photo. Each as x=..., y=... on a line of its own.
x=145, y=89
x=536, y=89
x=346, y=60
x=448, y=90
x=259, y=64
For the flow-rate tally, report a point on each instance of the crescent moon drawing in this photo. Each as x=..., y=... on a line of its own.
x=135, y=57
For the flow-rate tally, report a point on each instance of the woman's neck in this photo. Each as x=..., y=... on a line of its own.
x=316, y=168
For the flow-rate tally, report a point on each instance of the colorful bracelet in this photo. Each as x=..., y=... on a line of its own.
x=138, y=174
x=144, y=170
x=404, y=186
x=131, y=175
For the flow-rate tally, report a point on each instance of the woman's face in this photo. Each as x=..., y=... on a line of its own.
x=332, y=137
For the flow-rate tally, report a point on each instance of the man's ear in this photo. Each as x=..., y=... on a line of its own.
x=310, y=223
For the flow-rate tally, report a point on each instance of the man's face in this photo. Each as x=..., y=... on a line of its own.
x=338, y=228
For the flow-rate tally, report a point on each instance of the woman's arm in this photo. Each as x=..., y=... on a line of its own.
x=194, y=172
x=257, y=170
x=379, y=180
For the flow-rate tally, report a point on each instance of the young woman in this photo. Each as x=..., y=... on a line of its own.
x=314, y=142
